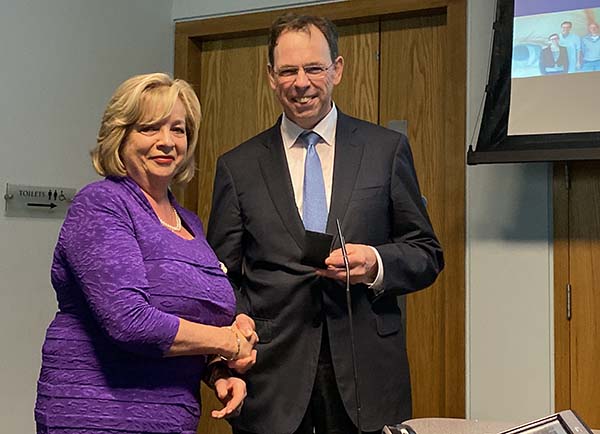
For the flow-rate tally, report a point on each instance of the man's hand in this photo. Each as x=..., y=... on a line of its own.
x=246, y=326
x=231, y=391
x=362, y=260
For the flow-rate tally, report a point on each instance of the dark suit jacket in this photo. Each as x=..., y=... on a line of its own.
x=256, y=230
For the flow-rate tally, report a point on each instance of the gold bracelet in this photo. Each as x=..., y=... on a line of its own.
x=237, y=353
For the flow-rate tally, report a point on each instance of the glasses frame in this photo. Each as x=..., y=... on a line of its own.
x=294, y=76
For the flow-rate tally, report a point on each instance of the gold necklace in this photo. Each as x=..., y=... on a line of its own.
x=174, y=228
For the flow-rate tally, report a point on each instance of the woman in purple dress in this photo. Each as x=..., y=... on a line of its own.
x=143, y=305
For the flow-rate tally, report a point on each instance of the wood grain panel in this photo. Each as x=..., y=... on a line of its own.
x=584, y=253
x=187, y=67
x=207, y=48
x=455, y=210
x=414, y=72
x=237, y=106
x=237, y=103
x=562, y=367
x=357, y=94
x=207, y=424
x=339, y=11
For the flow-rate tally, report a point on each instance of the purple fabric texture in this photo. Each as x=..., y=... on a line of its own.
x=122, y=280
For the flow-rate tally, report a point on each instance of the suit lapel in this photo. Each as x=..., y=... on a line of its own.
x=348, y=155
x=274, y=168
x=276, y=173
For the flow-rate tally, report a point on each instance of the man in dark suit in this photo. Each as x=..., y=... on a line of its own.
x=262, y=204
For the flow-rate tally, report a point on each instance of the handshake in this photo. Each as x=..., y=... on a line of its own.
x=229, y=388
x=243, y=357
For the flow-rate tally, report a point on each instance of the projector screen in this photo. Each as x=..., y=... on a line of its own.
x=544, y=83
x=555, y=67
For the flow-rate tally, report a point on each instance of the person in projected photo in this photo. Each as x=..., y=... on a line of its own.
x=143, y=302
x=554, y=59
x=590, y=49
x=313, y=166
x=572, y=43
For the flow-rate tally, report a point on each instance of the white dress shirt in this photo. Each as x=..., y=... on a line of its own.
x=295, y=153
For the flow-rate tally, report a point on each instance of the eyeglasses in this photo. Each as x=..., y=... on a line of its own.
x=312, y=72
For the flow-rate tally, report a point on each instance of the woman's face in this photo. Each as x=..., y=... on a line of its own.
x=153, y=152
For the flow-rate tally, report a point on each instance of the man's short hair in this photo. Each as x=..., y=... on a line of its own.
x=566, y=22
x=294, y=22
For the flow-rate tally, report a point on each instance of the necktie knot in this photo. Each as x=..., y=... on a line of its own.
x=310, y=138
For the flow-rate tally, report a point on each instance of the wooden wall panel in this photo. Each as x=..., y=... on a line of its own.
x=207, y=48
x=236, y=106
x=187, y=67
x=414, y=71
x=249, y=105
x=454, y=233
x=358, y=92
x=584, y=260
x=237, y=103
x=562, y=366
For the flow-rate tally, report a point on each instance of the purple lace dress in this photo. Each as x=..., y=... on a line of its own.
x=121, y=280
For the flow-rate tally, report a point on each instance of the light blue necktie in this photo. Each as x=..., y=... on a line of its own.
x=314, y=207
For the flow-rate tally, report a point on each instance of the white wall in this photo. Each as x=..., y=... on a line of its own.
x=194, y=9
x=509, y=267
x=509, y=311
x=61, y=61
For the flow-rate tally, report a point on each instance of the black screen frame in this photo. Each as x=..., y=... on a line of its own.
x=494, y=145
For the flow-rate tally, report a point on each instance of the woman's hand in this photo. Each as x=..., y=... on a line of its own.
x=231, y=391
x=246, y=326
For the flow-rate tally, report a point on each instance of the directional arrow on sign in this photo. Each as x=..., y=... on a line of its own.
x=43, y=205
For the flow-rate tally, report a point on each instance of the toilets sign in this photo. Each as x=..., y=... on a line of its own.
x=37, y=201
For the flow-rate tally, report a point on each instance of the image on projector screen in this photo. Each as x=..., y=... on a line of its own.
x=555, y=69
x=558, y=37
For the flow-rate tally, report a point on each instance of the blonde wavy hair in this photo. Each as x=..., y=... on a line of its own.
x=145, y=99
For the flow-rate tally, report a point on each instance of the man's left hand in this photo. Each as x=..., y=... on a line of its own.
x=231, y=391
x=362, y=260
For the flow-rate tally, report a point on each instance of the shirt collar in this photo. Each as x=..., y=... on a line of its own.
x=325, y=128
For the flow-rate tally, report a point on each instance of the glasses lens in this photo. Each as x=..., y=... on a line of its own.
x=312, y=71
x=287, y=72
x=315, y=70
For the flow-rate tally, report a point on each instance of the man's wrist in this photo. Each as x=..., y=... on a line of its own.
x=377, y=285
x=214, y=371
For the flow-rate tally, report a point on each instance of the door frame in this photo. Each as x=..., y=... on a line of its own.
x=562, y=354
x=189, y=36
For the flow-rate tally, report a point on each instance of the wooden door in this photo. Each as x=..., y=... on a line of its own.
x=577, y=260
x=399, y=65
x=237, y=103
x=414, y=87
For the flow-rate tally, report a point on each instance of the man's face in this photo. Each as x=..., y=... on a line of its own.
x=593, y=28
x=565, y=29
x=305, y=97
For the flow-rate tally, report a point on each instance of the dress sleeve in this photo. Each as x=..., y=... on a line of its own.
x=98, y=242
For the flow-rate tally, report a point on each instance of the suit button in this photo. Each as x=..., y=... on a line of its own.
x=317, y=321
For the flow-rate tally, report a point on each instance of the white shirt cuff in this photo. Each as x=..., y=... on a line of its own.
x=377, y=284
